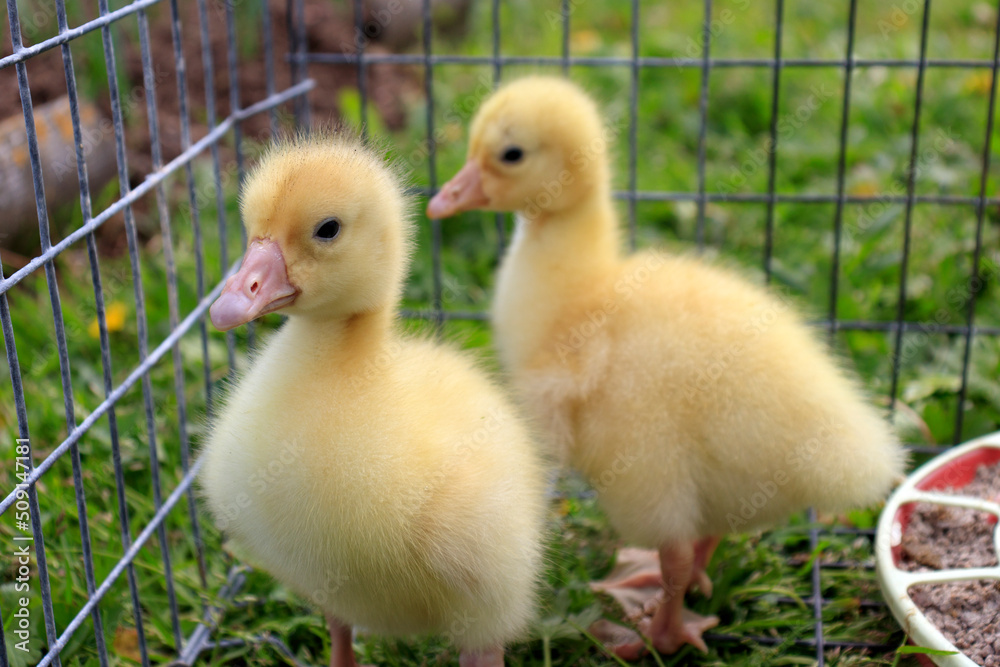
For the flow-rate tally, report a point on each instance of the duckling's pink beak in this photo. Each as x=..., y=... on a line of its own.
x=463, y=192
x=261, y=286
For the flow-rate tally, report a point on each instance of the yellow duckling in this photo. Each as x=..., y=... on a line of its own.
x=383, y=477
x=696, y=403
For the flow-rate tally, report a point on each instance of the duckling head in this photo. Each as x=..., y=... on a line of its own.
x=536, y=146
x=328, y=233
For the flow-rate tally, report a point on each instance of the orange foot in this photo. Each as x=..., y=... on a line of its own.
x=703, y=551
x=671, y=636
x=628, y=645
x=655, y=599
x=341, y=648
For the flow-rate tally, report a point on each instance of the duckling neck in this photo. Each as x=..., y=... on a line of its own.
x=349, y=340
x=555, y=259
x=581, y=239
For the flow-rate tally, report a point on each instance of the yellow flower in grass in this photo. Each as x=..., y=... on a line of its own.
x=864, y=189
x=978, y=83
x=585, y=41
x=564, y=507
x=114, y=315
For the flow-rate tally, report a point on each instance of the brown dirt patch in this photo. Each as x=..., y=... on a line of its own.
x=939, y=537
x=330, y=28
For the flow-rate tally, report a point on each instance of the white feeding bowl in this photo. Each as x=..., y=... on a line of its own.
x=953, y=469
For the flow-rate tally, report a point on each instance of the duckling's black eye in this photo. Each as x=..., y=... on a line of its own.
x=512, y=154
x=327, y=230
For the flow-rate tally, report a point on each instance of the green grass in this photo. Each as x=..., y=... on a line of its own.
x=755, y=573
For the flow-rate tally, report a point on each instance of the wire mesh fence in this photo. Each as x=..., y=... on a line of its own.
x=132, y=416
x=30, y=466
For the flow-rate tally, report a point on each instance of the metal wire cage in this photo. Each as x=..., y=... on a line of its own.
x=164, y=429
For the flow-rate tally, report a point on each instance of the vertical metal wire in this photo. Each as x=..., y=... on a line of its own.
x=43, y=228
x=772, y=153
x=499, y=219
x=232, y=62
x=706, y=35
x=432, y=165
x=294, y=63
x=911, y=184
x=497, y=65
x=838, y=217
x=268, y=39
x=233, y=66
x=974, y=279
x=149, y=84
x=817, y=575
x=208, y=69
x=179, y=383
x=81, y=170
x=359, y=49
x=24, y=439
x=193, y=206
x=565, y=36
x=817, y=591
x=633, y=128
x=124, y=188
x=123, y=513
x=116, y=459
x=299, y=27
